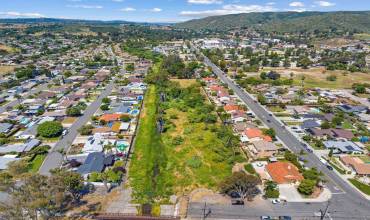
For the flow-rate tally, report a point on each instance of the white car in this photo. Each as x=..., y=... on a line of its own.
x=275, y=201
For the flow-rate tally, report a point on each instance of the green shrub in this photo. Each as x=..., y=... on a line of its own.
x=306, y=187
x=177, y=140
x=50, y=129
x=249, y=168
x=194, y=162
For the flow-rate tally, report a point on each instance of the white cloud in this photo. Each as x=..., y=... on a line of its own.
x=155, y=10
x=229, y=9
x=205, y=2
x=324, y=3
x=117, y=0
x=270, y=3
x=128, y=9
x=297, y=9
x=86, y=6
x=21, y=15
x=296, y=4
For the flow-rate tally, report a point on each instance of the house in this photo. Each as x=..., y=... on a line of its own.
x=230, y=108
x=5, y=128
x=284, y=172
x=94, y=144
x=110, y=117
x=6, y=159
x=352, y=108
x=46, y=95
x=356, y=164
x=364, y=117
x=307, y=124
x=264, y=148
x=256, y=134
x=20, y=148
x=332, y=133
x=347, y=147
x=238, y=116
x=93, y=163
x=125, y=126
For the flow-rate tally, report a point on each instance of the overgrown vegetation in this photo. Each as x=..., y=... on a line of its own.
x=181, y=145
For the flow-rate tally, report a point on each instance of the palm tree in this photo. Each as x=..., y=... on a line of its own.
x=303, y=77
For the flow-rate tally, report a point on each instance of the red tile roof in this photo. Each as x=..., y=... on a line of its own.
x=256, y=132
x=110, y=117
x=284, y=172
x=231, y=107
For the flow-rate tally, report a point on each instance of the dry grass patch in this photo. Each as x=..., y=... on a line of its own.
x=184, y=83
x=6, y=69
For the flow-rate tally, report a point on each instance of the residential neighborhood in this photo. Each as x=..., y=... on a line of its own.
x=194, y=109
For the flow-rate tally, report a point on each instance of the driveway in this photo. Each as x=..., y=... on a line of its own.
x=289, y=192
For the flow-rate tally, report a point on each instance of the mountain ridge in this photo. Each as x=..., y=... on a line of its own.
x=284, y=21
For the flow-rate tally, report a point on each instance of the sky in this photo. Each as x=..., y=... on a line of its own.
x=164, y=10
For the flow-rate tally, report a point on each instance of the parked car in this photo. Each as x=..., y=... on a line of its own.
x=275, y=201
x=65, y=132
x=329, y=167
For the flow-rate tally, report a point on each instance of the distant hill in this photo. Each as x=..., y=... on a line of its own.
x=70, y=21
x=358, y=21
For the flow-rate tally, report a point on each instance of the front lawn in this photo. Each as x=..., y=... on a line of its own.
x=36, y=163
x=361, y=186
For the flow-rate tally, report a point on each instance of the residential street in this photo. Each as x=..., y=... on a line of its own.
x=346, y=201
x=31, y=92
x=55, y=158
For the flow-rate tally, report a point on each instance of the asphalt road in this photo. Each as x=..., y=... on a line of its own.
x=55, y=158
x=346, y=201
x=33, y=91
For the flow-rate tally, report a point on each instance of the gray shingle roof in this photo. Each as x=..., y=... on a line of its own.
x=93, y=163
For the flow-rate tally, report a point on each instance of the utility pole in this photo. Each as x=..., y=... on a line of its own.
x=323, y=213
x=205, y=215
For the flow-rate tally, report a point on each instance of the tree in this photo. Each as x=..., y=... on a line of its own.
x=125, y=118
x=73, y=111
x=86, y=130
x=270, y=132
x=106, y=100
x=243, y=184
x=50, y=129
x=303, y=77
x=312, y=174
x=271, y=190
x=325, y=125
x=359, y=88
x=331, y=152
x=261, y=99
x=304, y=62
x=307, y=186
x=130, y=67
x=67, y=74
x=34, y=195
x=104, y=107
x=72, y=182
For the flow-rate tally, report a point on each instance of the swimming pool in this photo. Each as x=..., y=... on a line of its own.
x=122, y=145
x=135, y=112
